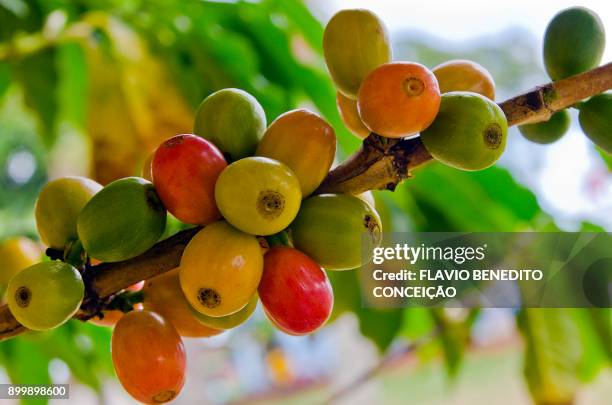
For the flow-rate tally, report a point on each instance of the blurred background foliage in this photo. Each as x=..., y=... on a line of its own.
x=91, y=87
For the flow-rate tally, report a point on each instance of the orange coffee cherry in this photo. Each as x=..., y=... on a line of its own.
x=303, y=141
x=350, y=116
x=163, y=294
x=399, y=99
x=464, y=75
x=149, y=357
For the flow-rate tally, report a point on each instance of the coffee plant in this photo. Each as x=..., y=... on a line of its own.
x=262, y=215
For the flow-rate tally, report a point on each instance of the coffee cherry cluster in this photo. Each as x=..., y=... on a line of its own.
x=266, y=234
x=242, y=183
x=450, y=107
x=574, y=42
x=249, y=184
x=265, y=237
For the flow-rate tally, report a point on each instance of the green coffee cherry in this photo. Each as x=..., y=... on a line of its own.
x=596, y=120
x=122, y=221
x=45, y=295
x=574, y=42
x=547, y=131
x=233, y=120
x=58, y=206
x=329, y=228
x=355, y=42
x=469, y=132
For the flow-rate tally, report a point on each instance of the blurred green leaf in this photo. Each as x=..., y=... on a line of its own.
x=100, y=338
x=595, y=325
x=72, y=84
x=19, y=16
x=38, y=76
x=26, y=363
x=418, y=322
x=83, y=347
x=63, y=343
x=279, y=61
x=605, y=156
x=380, y=325
x=453, y=337
x=500, y=187
x=601, y=319
x=489, y=200
x=590, y=227
x=347, y=295
x=301, y=19
x=553, y=354
x=5, y=78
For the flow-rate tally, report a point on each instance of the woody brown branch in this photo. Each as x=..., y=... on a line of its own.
x=380, y=163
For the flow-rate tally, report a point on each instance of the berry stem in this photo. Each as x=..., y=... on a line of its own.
x=279, y=239
x=380, y=163
x=125, y=301
x=74, y=254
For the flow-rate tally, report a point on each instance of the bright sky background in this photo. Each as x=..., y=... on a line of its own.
x=570, y=181
x=468, y=19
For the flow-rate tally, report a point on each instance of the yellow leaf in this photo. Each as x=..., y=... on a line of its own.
x=133, y=104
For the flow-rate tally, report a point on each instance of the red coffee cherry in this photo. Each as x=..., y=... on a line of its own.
x=295, y=291
x=185, y=170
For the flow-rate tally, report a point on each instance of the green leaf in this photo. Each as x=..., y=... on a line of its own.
x=19, y=16
x=595, y=326
x=418, y=322
x=62, y=344
x=379, y=325
x=454, y=200
x=37, y=74
x=280, y=63
x=553, y=354
x=454, y=336
x=26, y=363
x=85, y=349
x=606, y=157
x=302, y=20
x=5, y=78
x=499, y=185
x=100, y=337
x=347, y=294
x=72, y=85
x=601, y=319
